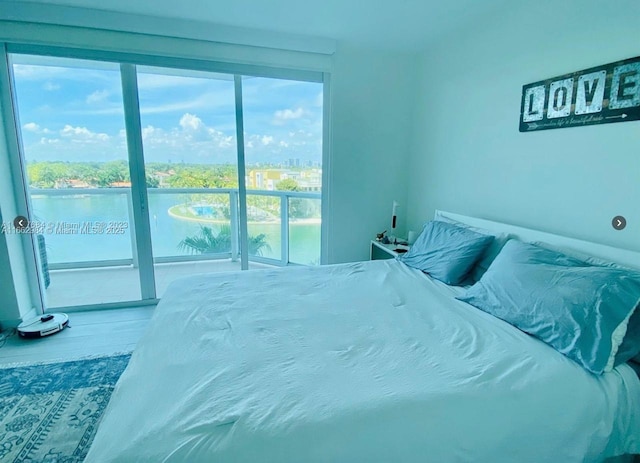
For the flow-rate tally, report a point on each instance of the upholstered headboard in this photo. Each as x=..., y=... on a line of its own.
x=621, y=256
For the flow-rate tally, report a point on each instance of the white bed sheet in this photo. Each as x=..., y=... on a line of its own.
x=363, y=362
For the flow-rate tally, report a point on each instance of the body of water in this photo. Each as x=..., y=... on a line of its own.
x=166, y=231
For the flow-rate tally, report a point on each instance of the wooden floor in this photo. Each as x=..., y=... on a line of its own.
x=95, y=333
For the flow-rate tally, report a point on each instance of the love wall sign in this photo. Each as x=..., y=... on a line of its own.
x=599, y=95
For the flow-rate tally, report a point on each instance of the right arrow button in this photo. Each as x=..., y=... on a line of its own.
x=619, y=222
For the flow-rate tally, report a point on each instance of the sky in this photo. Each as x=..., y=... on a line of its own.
x=72, y=110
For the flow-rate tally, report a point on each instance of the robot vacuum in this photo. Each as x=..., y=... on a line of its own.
x=42, y=326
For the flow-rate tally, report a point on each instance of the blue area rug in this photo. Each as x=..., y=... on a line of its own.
x=50, y=413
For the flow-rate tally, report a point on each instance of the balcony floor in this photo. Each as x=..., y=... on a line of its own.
x=87, y=286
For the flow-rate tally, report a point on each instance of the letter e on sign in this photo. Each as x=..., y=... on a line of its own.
x=533, y=109
x=560, y=94
x=590, y=92
x=625, y=86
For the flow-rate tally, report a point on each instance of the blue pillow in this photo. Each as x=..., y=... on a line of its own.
x=630, y=347
x=490, y=253
x=579, y=309
x=446, y=252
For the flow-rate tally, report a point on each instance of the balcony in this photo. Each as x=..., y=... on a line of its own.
x=90, y=240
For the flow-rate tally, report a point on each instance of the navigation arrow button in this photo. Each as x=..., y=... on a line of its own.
x=619, y=222
x=21, y=222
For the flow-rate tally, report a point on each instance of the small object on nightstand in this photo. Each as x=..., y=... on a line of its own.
x=380, y=236
x=380, y=250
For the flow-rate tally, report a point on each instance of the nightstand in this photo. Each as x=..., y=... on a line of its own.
x=381, y=251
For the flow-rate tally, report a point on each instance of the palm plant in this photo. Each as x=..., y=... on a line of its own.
x=208, y=242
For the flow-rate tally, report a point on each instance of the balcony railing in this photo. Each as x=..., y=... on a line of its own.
x=98, y=256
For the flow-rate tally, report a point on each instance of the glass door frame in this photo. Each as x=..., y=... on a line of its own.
x=128, y=62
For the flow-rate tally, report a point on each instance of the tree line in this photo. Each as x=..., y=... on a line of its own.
x=58, y=174
x=54, y=174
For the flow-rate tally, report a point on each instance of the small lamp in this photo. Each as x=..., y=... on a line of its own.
x=394, y=218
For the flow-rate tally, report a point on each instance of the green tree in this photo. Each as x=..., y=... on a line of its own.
x=152, y=182
x=111, y=172
x=287, y=184
x=207, y=242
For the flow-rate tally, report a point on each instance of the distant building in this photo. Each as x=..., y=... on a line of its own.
x=267, y=179
x=162, y=177
x=311, y=180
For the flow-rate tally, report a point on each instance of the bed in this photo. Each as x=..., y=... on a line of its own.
x=361, y=362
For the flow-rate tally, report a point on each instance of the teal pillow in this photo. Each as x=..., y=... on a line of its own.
x=581, y=310
x=446, y=252
x=630, y=347
x=490, y=253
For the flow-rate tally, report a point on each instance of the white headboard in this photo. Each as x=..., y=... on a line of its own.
x=621, y=256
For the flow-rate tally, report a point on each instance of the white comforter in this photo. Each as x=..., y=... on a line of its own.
x=365, y=362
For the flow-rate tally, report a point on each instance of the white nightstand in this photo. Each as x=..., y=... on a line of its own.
x=384, y=251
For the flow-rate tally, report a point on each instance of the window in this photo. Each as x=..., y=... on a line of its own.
x=128, y=238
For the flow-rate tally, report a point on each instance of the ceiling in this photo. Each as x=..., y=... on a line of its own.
x=406, y=25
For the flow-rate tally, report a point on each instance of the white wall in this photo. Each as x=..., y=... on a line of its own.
x=9, y=310
x=371, y=120
x=15, y=290
x=468, y=155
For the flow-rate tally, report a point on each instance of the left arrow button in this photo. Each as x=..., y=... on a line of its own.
x=21, y=222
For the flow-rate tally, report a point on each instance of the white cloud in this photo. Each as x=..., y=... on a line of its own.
x=283, y=115
x=35, y=128
x=190, y=140
x=226, y=142
x=191, y=122
x=186, y=137
x=82, y=134
x=147, y=132
x=97, y=97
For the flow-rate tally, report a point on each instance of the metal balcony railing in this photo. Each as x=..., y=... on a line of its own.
x=234, y=218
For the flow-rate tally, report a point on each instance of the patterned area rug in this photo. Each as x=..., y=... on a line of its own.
x=50, y=413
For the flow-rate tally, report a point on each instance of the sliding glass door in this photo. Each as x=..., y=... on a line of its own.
x=190, y=157
x=283, y=152
x=75, y=156
x=144, y=166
